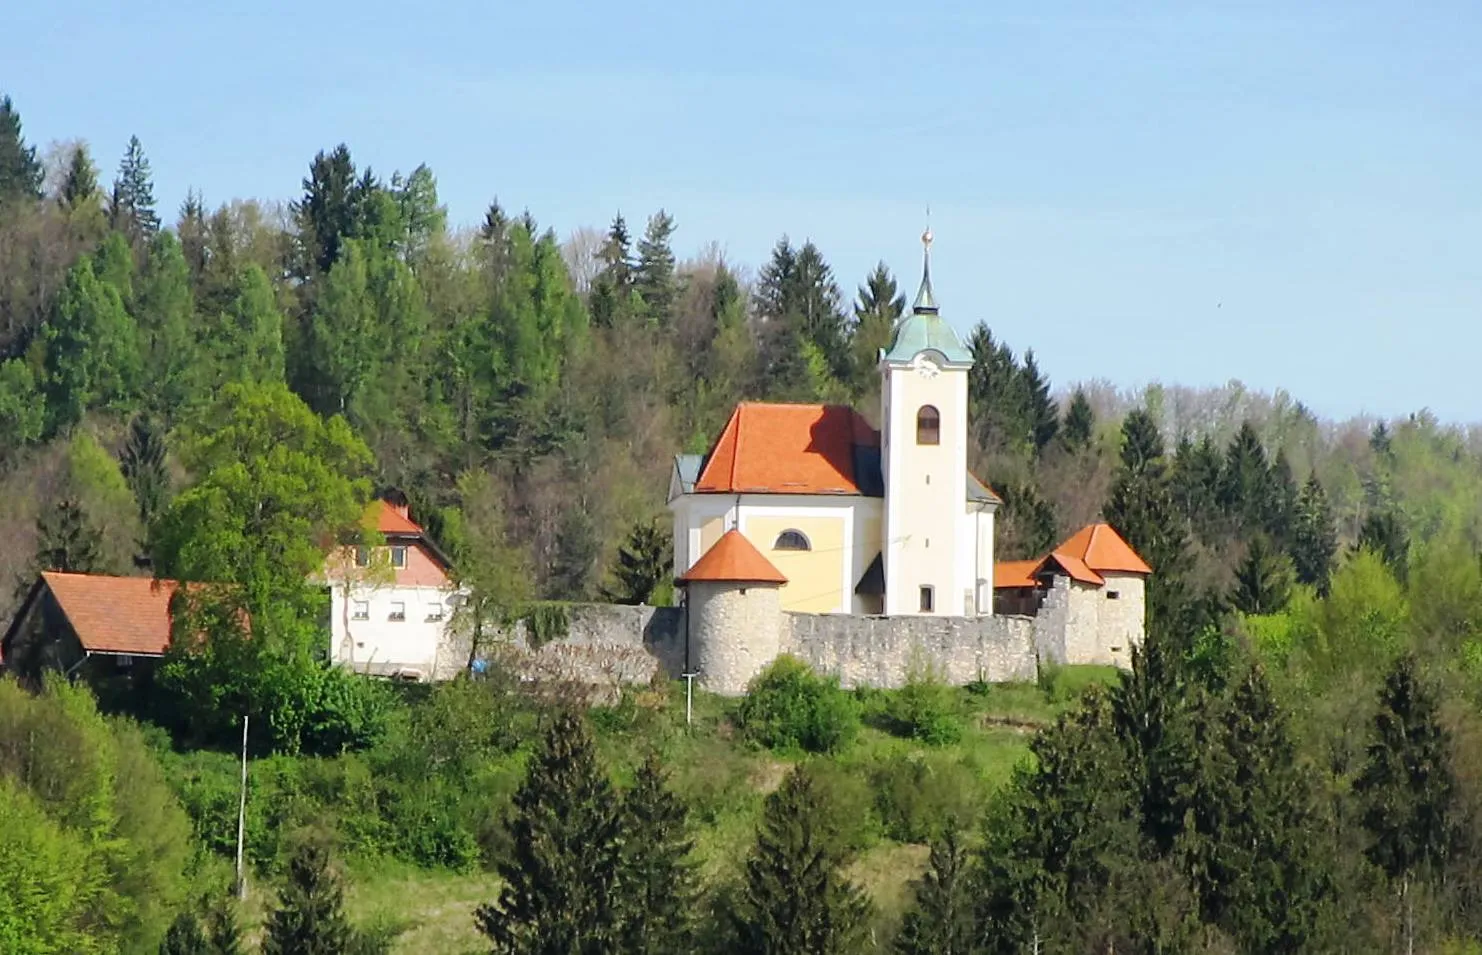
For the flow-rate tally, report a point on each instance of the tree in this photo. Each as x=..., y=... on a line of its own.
x=423, y=217
x=1043, y=416
x=644, y=565
x=1407, y=786
x=794, y=897
x=656, y=879
x=247, y=345
x=997, y=395
x=330, y=210
x=1078, y=429
x=1384, y=535
x=166, y=310
x=80, y=185
x=142, y=463
x=20, y=173
x=487, y=561
x=942, y=921
x=561, y=875
x=879, y=305
x=131, y=205
x=310, y=915
x=654, y=275
x=1142, y=510
x=185, y=936
x=223, y=932
x=1246, y=477
x=611, y=291
x=92, y=353
x=1263, y=581
x=797, y=295
x=1314, y=536
x=22, y=411
x=345, y=341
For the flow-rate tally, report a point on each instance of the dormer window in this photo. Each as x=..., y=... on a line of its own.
x=792, y=540
x=398, y=557
x=928, y=425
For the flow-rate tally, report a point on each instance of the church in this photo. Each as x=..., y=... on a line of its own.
x=858, y=521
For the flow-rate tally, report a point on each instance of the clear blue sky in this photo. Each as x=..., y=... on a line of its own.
x=1285, y=193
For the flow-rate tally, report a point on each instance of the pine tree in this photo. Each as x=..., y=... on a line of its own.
x=1279, y=511
x=1245, y=480
x=654, y=277
x=794, y=898
x=561, y=877
x=941, y=923
x=185, y=937
x=1263, y=581
x=1043, y=416
x=796, y=296
x=67, y=541
x=657, y=879
x=142, y=462
x=80, y=187
x=20, y=172
x=222, y=929
x=879, y=305
x=1078, y=429
x=644, y=565
x=1407, y=786
x=329, y=212
x=1027, y=522
x=1141, y=508
x=131, y=205
x=1383, y=534
x=310, y=918
x=997, y=398
x=1314, y=536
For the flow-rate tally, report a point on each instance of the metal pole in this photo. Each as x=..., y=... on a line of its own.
x=242, y=818
x=689, y=698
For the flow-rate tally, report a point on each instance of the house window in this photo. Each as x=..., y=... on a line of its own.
x=360, y=610
x=928, y=425
x=362, y=557
x=1113, y=595
x=435, y=613
x=398, y=610
x=792, y=540
x=928, y=599
x=398, y=557
x=125, y=660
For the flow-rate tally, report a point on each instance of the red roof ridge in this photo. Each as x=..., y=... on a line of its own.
x=733, y=559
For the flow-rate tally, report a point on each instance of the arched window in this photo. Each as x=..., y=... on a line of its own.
x=792, y=540
x=928, y=425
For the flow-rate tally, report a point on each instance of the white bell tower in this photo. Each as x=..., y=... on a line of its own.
x=929, y=546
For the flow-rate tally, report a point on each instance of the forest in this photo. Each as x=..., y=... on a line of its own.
x=1290, y=766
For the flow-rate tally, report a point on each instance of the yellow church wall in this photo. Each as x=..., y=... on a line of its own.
x=710, y=532
x=814, y=577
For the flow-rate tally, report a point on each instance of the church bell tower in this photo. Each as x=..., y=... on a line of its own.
x=928, y=547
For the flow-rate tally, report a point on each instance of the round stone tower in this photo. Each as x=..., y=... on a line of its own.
x=735, y=614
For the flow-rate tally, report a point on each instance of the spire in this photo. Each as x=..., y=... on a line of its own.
x=926, y=302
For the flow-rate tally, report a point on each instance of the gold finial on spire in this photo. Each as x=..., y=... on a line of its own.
x=926, y=302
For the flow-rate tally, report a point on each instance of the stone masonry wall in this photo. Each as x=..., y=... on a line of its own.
x=882, y=651
x=734, y=633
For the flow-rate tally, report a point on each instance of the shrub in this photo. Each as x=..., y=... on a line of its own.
x=919, y=796
x=926, y=710
x=789, y=707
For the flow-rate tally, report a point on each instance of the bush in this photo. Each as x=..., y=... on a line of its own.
x=927, y=711
x=918, y=796
x=788, y=707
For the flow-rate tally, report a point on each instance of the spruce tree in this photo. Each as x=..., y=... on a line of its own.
x=1314, y=536
x=643, y=566
x=1407, y=786
x=654, y=276
x=797, y=296
x=1141, y=508
x=92, y=354
x=942, y=923
x=309, y=918
x=657, y=879
x=561, y=876
x=20, y=172
x=166, y=311
x=1383, y=534
x=67, y=540
x=1279, y=513
x=1195, y=482
x=329, y=211
x=223, y=931
x=1245, y=480
x=1263, y=580
x=794, y=898
x=142, y=462
x=879, y=305
x=80, y=186
x=185, y=937
x=997, y=399
x=131, y=206
x=1043, y=418
x=1078, y=428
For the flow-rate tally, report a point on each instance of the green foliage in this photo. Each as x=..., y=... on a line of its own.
x=52, y=882
x=653, y=276
x=165, y=309
x=1383, y=534
x=22, y=414
x=878, y=306
x=131, y=205
x=925, y=709
x=657, y=880
x=787, y=708
x=185, y=936
x=142, y=464
x=941, y=923
x=645, y=565
x=562, y=878
x=546, y=622
x=92, y=349
x=20, y=173
x=1078, y=428
x=1315, y=538
x=1263, y=581
x=309, y=918
x=919, y=796
x=794, y=898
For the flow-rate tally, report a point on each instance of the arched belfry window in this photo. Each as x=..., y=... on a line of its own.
x=928, y=425
x=792, y=540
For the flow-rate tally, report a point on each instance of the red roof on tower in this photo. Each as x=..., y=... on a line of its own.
x=733, y=559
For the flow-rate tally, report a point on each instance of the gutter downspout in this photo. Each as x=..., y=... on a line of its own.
x=67, y=673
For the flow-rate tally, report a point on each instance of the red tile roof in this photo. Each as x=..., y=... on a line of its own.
x=1015, y=573
x=733, y=559
x=1093, y=550
x=115, y=614
x=787, y=449
x=392, y=520
x=1103, y=550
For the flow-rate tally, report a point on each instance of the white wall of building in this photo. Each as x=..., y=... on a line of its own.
x=366, y=636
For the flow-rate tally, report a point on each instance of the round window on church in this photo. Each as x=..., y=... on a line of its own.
x=792, y=540
x=928, y=425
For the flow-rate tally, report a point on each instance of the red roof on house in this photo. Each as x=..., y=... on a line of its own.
x=733, y=559
x=1093, y=550
x=787, y=449
x=1015, y=573
x=115, y=614
x=1103, y=550
x=391, y=519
